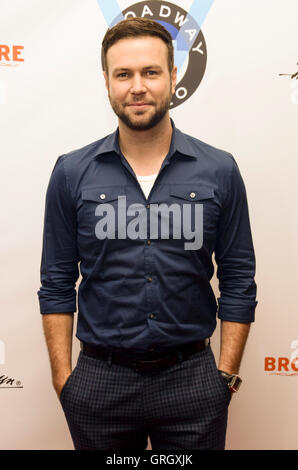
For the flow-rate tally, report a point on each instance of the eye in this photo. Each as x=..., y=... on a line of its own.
x=122, y=75
x=152, y=72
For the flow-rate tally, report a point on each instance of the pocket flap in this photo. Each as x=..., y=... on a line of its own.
x=191, y=193
x=102, y=193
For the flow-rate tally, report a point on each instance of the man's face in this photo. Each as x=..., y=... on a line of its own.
x=139, y=84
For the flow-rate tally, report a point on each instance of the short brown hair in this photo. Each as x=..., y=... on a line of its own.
x=136, y=27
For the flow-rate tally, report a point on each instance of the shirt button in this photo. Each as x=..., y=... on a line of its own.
x=192, y=195
x=149, y=278
x=152, y=316
x=148, y=242
x=148, y=205
x=102, y=196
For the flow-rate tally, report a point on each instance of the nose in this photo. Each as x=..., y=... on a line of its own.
x=137, y=85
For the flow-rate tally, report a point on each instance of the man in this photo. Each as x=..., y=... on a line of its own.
x=143, y=210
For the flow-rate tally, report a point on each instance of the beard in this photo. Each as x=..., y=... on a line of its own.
x=150, y=119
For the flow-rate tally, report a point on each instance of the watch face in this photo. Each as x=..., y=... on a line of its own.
x=235, y=383
x=232, y=380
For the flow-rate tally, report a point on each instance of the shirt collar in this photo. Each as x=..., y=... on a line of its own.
x=180, y=142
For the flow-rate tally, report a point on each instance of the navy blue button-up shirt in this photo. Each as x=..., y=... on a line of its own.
x=146, y=264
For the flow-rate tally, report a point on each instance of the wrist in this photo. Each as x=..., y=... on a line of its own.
x=228, y=368
x=59, y=380
x=61, y=377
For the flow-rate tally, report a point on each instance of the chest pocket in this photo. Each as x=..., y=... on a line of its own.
x=196, y=204
x=102, y=194
x=99, y=210
x=191, y=193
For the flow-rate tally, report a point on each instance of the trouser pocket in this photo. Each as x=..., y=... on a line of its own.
x=219, y=382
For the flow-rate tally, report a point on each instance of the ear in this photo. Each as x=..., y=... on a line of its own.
x=106, y=80
x=174, y=78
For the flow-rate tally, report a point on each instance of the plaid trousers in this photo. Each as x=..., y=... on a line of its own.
x=113, y=407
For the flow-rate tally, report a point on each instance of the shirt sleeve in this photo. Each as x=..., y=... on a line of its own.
x=59, y=262
x=234, y=255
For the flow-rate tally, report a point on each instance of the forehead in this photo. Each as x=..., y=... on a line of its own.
x=139, y=51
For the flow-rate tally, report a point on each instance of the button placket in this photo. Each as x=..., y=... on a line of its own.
x=150, y=286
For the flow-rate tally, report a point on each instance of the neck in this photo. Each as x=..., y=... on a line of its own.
x=148, y=143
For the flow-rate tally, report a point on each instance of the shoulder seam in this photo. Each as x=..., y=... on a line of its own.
x=68, y=186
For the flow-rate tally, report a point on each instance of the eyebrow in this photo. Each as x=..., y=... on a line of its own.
x=125, y=69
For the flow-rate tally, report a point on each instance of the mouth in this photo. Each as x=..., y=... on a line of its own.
x=139, y=105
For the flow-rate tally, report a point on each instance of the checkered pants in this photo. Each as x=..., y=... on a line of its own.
x=111, y=406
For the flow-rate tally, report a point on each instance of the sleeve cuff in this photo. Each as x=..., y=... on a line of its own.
x=56, y=306
x=237, y=313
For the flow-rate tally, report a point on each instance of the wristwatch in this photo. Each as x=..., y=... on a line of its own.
x=233, y=380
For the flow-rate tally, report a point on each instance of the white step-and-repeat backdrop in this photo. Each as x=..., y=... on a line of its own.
x=237, y=90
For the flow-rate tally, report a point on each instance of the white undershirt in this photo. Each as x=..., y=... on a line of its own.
x=146, y=183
